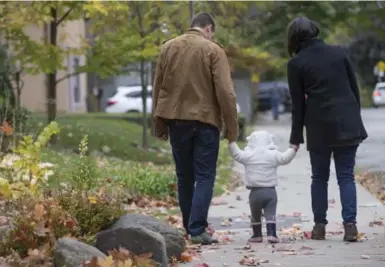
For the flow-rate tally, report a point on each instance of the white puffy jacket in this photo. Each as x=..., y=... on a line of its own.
x=261, y=159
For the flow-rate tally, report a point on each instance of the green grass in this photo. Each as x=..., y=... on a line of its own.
x=110, y=135
x=119, y=140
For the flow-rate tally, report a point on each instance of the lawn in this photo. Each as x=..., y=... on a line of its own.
x=113, y=136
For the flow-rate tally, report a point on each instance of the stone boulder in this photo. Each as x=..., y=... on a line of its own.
x=136, y=239
x=175, y=242
x=69, y=252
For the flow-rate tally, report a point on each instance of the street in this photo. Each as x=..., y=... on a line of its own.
x=371, y=154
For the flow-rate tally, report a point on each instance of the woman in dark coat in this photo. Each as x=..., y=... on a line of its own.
x=331, y=114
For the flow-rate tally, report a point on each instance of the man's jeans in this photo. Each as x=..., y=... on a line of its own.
x=195, y=148
x=344, y=160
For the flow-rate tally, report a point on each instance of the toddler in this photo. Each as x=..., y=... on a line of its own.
x=261, y=159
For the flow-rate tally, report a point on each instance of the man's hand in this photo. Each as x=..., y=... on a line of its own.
x=295, y=147
x=163, y=137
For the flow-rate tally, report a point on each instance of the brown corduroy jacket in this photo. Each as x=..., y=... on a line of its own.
x=193, y=82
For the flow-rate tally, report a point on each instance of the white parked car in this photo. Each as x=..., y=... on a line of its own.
x=129, y=99
x=378, y=96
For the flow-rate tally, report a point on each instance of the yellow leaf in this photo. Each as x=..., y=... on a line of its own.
x=108, y=262
x=255, y=78
x=5, y=188
x=39, y=211
x=92, y=199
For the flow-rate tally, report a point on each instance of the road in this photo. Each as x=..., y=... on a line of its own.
x=371, y=154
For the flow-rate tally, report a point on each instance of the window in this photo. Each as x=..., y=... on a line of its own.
x=134, y=94
x=76, y=89
x=137, y=94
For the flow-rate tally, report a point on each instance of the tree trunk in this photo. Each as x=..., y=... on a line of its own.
x=191, y=9
x=51, y=77
x=143, y=80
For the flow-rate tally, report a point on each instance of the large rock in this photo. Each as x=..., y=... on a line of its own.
x=136, y=239
x=175, y=242
x=72, y=253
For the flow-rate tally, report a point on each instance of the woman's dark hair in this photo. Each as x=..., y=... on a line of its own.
x=298, y=31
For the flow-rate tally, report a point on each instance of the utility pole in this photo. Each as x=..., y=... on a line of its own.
x=191, y=9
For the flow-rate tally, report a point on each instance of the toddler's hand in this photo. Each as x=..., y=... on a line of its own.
x=295, y=147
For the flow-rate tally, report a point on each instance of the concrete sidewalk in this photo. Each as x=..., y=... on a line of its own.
x=294, y=208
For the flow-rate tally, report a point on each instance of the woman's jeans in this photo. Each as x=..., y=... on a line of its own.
x=344, y=161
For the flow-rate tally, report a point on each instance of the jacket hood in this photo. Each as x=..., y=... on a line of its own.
x=260, y=140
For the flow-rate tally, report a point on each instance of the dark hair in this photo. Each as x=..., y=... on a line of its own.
x=202, y=20
x=298, y=31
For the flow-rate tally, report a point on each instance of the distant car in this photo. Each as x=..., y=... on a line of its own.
x=129, y=99
x=263, y=96
x=378, y=96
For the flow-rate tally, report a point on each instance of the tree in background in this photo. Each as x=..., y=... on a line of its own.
x=128, y=33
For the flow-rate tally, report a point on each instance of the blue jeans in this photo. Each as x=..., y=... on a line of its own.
x=195, y=148
x=344, y=160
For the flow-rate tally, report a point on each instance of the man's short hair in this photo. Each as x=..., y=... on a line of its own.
x=202, y=20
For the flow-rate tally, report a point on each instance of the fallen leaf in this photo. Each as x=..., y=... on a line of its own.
x=331, y=201
x=238, y=198
x=248, y=261
x=290, y=253
x=40, y=229
x=376, y=223
x=3, y=221
x=306, y=248
x=186, y=257
x=297, y=214
x=361, y=236
x=307, y=234
x=285, y=249
x=365, y=257
x=246, y=247
x=226, y=222
x=217, y=202
x=39, y=211
x=201, y=265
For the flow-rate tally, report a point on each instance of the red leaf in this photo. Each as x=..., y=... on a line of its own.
x=201, y=265
x=307, y=235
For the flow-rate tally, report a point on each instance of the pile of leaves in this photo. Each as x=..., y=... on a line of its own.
x=374, y=182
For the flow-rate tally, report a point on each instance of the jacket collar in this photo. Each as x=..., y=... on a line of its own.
x=194, y=32
x=309, y=43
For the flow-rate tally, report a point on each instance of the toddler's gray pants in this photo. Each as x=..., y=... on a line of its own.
x=263, y=199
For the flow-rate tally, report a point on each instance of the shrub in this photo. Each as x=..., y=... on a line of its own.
x=36, y=225
x=145, y=180
x=93, y=213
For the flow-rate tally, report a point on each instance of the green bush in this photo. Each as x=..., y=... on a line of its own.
x=145, y=180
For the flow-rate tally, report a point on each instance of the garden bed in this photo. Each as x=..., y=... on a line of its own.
x=48, y=193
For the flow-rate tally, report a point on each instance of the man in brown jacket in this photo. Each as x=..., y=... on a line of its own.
x=193, y=95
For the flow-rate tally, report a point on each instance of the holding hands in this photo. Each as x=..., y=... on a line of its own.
x=295, y=147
